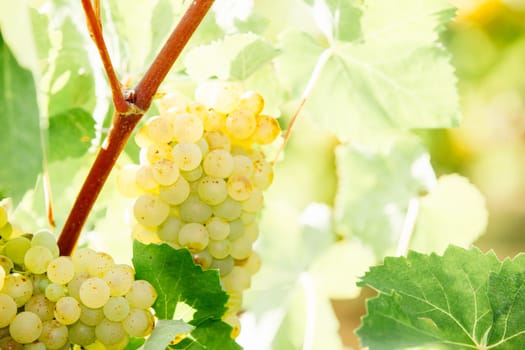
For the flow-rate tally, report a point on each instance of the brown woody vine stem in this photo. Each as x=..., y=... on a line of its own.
x=123, y=121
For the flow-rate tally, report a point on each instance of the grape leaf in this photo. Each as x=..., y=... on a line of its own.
x=164, y=332
x=337, y=19
x=377, y=179
x=20, y=144
x=236, y=56
x=176, y=278
x=209, y=335
x=453, y=212
x=70, y=134
x=452, y=300
x=375, y=82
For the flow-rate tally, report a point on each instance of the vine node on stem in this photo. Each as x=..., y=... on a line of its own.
x=129, y=108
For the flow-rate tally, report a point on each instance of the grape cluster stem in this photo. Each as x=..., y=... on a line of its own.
x=125, y=118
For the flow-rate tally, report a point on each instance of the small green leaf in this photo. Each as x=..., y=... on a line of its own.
x=337, y=19
x=135, y=343
x=20, y=144
x=176, y=278
x=165, y=331
x=433, y=299
x=70, y=134
x=250, y=58
x=209, y=335
x=453, y=212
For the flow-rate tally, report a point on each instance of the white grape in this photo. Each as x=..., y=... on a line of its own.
x=37, y=258
x=25, y=327
x=217, y=140
x=223, y=265
x=241, y=248
x=255, y=202
x=175, y=193
x=251, y=101
x=73, y=286
x=218, y=229
x=165, y=172
x=187, y=128
x=82, y=334
x=195, y=210
x=242, y=165
x=212, y=190
x=46, y=239
x=267, y=130
x=193, y=236
x=159, y=129
x=91, y=317
x=218, y=163
x=144, y=179
x=219, y=249
x=55, y=292
x=229, y=210
x=221, y=96
x=116, y=309
x=241, y=124
x=154, y=153
x=54, y=334
x=40, y=306
x=169, y=231
x=119, y=279
x=193, y=175
x=141, y=295
x=237, y=280
x=239, y=187
x=236, y=229
x=8, y=309
x=67, y=310
x=110, y=333
x=94, y=292
x=16, y=248
x=61, y=270
x=19, y=287
x=101, y=263
x=150, y=210
x=187, y=155
x=139, y=323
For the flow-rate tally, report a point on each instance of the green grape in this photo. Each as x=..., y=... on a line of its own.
x=262, y=174
x=159, y=129
x=6, y=264
x=218, y=163
x=187, y=155
x=8, y=309
x=169, y=230
x=203, y=258
x=139, y=323
x=187, y=128
x=154, y=153
x=33, y=346
x=94, y=292
x=236, y=229
x=73, y=286
x=116, y=309
x=46, y=239
x=223, y=265
x=192, y=175
x=41, y=306
x=217, y=141
x=252, y=264
x=19, y=287
x=81, y=334
x=193, y=236
x=234, y=303
x=239, y=187
x=16, y=248
x=61, y=270
x=81, y=259
x=176, y=193
x=110, y=333
x=25, y=327
x=54, y=334
x=255, y=202
x=165, y=172
x=67, y=310
x=194, y=210
x=241, y=248
x=242, y=165
x=101, y=263
x=55, y=292
x=212, y=190
x=173, y=102
x=144, y=179
x=267, y=130
x=219, y=249
x=252, y=101
x=221, y=96
x=37, y=258
x=241, y=124
x=119, y=279
x=229, y=210
x=150, y=210
x=251, y=231
x=141, y=295
x=237, y=280
x=91, y=317
x=218, y=229
x=248, y=218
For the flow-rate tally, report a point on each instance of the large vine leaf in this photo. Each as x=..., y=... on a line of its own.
x=20, y=144
x=464, y=299
x=337, y=19
x=375, y=82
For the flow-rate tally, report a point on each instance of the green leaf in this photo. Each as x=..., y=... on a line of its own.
x=177, y=278
x=70, y=134
x=235, y=57
x=377, y=179
x=402, y=81
x=453, y=212
x=135, y=343
x=20, y=143
x=434, y=299
x=165, y=331
x=209, y=335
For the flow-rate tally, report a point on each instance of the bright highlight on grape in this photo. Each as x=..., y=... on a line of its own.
x=201, y=179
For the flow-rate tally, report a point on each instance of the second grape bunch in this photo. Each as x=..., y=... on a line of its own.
x=200, y=181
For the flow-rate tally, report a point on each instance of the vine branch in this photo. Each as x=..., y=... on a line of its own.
x=124, y=119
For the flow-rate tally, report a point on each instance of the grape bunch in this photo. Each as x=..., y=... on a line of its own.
x=49, y=301
x=200, y=181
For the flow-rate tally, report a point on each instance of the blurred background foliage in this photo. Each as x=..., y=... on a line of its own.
x=487, y=41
